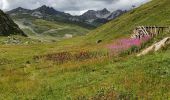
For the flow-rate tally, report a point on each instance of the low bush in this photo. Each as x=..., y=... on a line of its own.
x=62, y=57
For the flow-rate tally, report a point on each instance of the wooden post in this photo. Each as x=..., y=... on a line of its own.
x=141, y=27
x=155, y=30
x=151, y=31
x=146, y=32
x=158, y=30
x=162, y=29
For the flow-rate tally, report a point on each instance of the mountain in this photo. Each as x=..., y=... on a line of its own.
x=89, y=19
x=100, y=17
x=92, y=14
x=19, y=10
x=46, y=23
x=45, y=10
x=49, y=14
x=8, y=27
x=41, y=12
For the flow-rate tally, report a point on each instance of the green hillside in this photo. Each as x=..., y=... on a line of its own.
x=155, y=12
x=80, y=69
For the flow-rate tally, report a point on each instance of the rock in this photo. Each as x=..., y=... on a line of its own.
x=26, y=42
x=156, y=47
x=98, y=41
x=28, y=62
x=68, y=36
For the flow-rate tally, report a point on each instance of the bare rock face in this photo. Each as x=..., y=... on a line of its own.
x=8, y=27
x=156, y=47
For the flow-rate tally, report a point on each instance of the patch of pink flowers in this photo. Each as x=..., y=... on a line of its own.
x=126, y=43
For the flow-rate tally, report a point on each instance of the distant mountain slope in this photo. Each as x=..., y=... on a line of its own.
x=19, y=10
x=155, y=12
x=100, y=17
x=48, y=30
x=46, y=23
x=92, y=14
x=7, y=26
x=49, y=11
x=49, y=14
x=89, y=19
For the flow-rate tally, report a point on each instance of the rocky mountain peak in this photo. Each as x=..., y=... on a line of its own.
x=47, y=10
x=92, y=14
x=19, y=10
x=104, y=11
x=44, y=7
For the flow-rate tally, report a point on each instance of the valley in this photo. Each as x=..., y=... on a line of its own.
x=50, y=31
x=77, y=61
x=47, y=24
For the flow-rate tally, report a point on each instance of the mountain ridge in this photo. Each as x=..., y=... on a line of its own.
x=91, y=17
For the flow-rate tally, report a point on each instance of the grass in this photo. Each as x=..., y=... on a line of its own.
x=155, y=12
x=87, y=70
x=22, y=77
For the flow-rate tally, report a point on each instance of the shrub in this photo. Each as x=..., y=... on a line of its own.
x=62, y=57
x=128, y=45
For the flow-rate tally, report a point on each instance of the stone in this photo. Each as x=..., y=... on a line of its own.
x=156, y=47
x=98, y=41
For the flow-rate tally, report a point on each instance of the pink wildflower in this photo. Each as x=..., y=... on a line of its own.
x=126, y=43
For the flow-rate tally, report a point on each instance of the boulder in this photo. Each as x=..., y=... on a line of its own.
x=156, y=47
x=98, y=41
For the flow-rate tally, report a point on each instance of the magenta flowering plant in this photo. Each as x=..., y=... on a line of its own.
x=126, y=43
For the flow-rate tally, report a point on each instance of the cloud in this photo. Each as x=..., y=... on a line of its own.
x=4, y=4
x=71, y=6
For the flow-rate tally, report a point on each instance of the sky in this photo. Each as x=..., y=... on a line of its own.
x=74, y=7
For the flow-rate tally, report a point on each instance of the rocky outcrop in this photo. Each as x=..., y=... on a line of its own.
x=92, y=14
x=8, y=27
x=116, y=14
x=100, y=17
x=156, y=47
x=45, y=10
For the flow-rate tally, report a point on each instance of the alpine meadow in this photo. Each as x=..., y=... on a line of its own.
x=114, y=50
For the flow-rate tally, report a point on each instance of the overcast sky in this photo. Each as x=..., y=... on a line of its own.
x=71, y=6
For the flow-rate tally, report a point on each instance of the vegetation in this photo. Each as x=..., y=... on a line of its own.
x=152, y=13
x=78, y=68
x=78, y=74
x=48, y=30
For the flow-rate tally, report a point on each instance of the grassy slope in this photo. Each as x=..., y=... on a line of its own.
x=123, y=77
x=144, y=77
x=155, y=12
